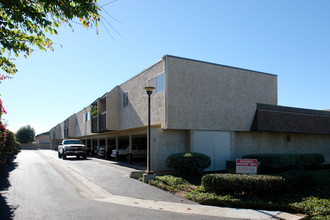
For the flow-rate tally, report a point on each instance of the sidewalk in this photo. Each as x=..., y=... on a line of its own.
x=114, y=186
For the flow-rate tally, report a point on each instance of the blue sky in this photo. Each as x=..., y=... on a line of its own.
x=288, y=38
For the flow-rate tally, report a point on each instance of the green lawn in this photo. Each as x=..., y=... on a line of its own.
x=313, y=201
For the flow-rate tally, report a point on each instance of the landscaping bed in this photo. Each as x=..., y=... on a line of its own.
x=311, y=199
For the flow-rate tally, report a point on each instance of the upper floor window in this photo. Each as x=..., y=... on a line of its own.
x=125, y=99
x=86, y=116
x=158, y=82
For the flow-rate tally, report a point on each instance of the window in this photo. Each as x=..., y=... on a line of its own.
x=125, y=99
x=86, y=116
x=288, y=138
x=158, y=82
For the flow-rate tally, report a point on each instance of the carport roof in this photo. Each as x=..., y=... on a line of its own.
x=273, y=118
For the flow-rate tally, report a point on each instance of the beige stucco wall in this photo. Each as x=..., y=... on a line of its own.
x=72, y=122
x=165, y=143
x=59, y=131
x=83, y=128
x=113, y=109
x=208, y=96
x=267, y=142
x=42, y=139
x=135, y=114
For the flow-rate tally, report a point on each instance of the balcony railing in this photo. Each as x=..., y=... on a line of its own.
x=94, y=125
x=102, y=122
x=99, y=123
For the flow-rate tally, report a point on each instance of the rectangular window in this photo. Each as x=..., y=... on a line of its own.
x=88, y=116
x=83, y=118
x=158, y=82
x=125, y=99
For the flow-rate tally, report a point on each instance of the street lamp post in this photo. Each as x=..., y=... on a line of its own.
x=148, y=173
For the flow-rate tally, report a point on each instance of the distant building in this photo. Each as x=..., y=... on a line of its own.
x=221, y=111
x=43, y=140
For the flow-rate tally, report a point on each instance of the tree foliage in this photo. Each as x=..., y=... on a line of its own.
x=24, y=23
x=25, y=134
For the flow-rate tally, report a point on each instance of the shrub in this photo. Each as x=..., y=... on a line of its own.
x=169, y=183
x=256, y=184
x=276, y=163
x=188, y=163
x=242, y=184
x=235, y=201
x=10, y=148
x=316, y=208
x=297, y=179
x=11, y=145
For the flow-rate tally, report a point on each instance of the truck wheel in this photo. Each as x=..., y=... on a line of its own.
x=59, y=155
x=64, y=156
x=84, y=156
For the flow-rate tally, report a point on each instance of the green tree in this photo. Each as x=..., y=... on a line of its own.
x=24, y=23
x=25, y=134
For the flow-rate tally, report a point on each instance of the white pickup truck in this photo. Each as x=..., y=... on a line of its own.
x=71, y=147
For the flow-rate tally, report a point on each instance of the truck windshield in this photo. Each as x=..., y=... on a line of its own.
x=71, y=142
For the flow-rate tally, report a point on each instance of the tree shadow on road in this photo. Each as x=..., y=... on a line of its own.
x=7, y=211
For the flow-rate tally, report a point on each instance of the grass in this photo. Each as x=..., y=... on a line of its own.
x=314, y=201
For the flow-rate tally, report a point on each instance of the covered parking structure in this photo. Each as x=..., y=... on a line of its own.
x=117, y=141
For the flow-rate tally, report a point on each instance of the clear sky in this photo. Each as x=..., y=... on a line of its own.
x=288, y=38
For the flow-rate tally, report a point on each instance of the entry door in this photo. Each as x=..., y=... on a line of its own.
x=214, y=144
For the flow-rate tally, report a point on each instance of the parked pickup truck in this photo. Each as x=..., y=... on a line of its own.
x=71, y=147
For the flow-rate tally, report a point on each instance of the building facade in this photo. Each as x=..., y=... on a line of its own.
x=196, y=107
x=43, y=140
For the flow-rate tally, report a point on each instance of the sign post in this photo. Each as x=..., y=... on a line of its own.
x=246, y=166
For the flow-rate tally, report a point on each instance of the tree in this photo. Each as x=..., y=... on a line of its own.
x=24, y=23
x=25, y=134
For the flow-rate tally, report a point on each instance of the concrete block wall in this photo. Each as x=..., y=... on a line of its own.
x=135, y=114
x=165, y=143
x=271, y=142
x=206, y=96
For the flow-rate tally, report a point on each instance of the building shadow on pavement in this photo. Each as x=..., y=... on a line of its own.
x=7, y=211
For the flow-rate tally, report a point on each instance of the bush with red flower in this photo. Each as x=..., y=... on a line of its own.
x=2, y=128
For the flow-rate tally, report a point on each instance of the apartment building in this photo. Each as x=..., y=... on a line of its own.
x=221, y=111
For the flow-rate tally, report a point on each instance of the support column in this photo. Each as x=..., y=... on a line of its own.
x=106, y=148
x=117, y=147
x=130, y=144
x=92, y=146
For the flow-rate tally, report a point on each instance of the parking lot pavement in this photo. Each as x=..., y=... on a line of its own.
x=108, y=182
x=112, y=177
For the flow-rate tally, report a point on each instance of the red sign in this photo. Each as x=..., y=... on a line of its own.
x=248, y=166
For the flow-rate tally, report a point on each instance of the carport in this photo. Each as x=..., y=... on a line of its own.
x=121, y=142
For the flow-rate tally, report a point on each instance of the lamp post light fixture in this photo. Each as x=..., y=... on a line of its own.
x=149, y=173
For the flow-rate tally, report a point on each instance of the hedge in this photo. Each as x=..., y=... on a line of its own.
x=188, y=163
x=11, y=148
x=256, y=184
x=276, y=163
